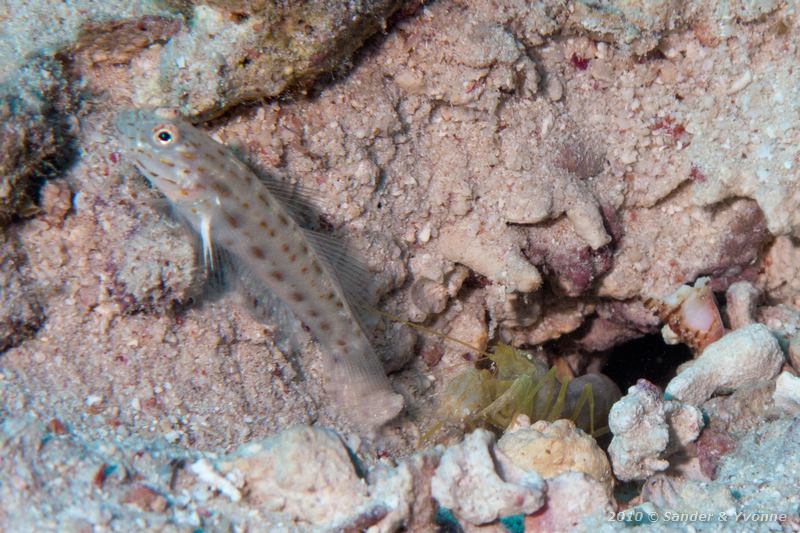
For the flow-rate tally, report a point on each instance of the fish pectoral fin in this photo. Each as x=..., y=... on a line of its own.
x=208, y=245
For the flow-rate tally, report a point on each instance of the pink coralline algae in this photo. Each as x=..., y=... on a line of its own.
x=711, y=446
x=580, y=63
x=566, y=258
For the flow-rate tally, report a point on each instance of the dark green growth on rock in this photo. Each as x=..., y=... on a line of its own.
x=21, y=311
x=33, y=133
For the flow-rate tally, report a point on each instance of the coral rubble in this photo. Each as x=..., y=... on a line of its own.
x=467, y=482
x=647, y=429
x=553, y=448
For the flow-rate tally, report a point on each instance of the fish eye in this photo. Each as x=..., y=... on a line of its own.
x=165, y=134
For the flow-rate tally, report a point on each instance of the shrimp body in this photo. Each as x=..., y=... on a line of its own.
x=229, y=206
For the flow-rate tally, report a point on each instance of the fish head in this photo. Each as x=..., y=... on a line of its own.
x=167, y=149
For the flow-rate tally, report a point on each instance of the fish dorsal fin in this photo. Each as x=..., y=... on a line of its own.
x=302, y=202
x=298, y=199
x=352, y=275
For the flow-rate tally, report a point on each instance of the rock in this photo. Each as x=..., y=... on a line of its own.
x=117, y=41
x=749, y=128
x=782, y=320
x=429, y=296
x=570, y=261
x=469, y=483
x=793, y=353
x=304, y=472
x=742, y=357
x=698, y=241
x=741, y=300
x=782, y=271
x=21, y=311
x=787, y=394
x=555, y=318
x=569, y=160
x=573, y=248
x=616, y=323
x=743, y=410
x=145, y=498
x=647, y=429
x=416, y=509
x=305, y=475
x=256, y=50
x=571, y=497
x=639, y=25
x=56, y=202
x=496, y=255
x=393, y=494
x=600, y=334
x=33, y=131
x=711, y=446
x=763, y=472
x=685, y=495
x=552, y=448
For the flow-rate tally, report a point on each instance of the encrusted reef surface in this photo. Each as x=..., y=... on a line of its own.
x=562, y=176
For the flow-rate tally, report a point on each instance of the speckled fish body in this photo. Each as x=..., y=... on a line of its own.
x=229, y=206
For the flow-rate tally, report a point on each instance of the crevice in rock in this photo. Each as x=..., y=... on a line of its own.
x=647, y=357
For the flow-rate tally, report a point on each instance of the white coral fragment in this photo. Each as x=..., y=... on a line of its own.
x=205, y=472
x=584, y=214
x=571, y=497
x=305, y=476
x=468, y=483
x=742, y=357
x=741, y=300
x=647, y=429
x=553, y=448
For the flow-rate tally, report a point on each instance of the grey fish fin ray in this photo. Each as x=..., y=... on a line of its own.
x=348, y=270
x=301, y=202
x=217, y=282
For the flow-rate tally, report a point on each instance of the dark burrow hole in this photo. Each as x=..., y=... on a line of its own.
x=647, y=357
